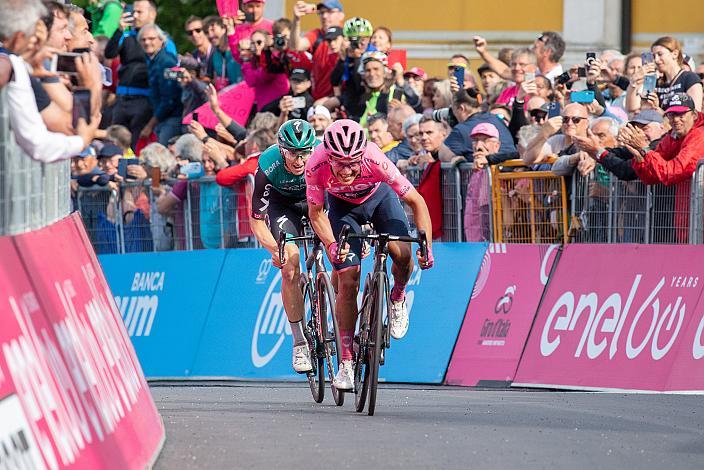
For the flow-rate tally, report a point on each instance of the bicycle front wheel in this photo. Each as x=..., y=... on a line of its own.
x=329, y=332
x=316, y=377
x=376, y=336
x=361, y=369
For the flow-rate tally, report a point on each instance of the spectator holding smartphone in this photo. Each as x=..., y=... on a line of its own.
x=669, y=63
x=522, y=64
x=246, y=24
x=295, y=104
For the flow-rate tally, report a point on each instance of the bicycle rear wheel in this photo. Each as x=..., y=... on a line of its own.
x=376, y=330
x=316, y=377
x=330, y=337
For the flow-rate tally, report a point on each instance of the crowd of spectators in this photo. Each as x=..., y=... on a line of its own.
x=107, y=87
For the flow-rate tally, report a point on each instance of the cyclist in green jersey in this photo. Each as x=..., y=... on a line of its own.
x=280, y=199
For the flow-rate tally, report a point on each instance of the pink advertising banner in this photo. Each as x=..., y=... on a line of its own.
x=626, y=317
x=500, y=312
x=68, y=373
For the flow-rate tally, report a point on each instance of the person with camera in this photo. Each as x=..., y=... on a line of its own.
x=280, y=58
x=23, y=41
x=241, y=28
x=321, y=43
x=132, y=107
x=164, y=90
x=466, y=113
x=385, y=88
x=556, y=135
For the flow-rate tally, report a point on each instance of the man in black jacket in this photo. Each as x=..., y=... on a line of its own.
x=133, y=109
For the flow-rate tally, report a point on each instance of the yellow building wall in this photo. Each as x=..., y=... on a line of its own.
x=656, y=16
x=452, y=15
x=468, y=16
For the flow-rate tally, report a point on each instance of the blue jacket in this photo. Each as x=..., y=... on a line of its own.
x=460, y=142
x=165, y=95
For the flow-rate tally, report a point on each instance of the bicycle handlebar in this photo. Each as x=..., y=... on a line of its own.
x=421, y=239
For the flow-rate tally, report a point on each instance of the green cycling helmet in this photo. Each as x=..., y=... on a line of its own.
x=296, y=134
x=357, y=28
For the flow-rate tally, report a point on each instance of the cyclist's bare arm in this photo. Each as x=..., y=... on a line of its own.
x=264, y=236
x=421, y=215
x=320, y=222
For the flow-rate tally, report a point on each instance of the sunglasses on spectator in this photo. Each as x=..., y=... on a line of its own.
x=193, y=31
x=538, y=114
x=701, y=75
x=574, y=119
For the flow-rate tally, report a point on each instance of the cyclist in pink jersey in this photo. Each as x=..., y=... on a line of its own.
x=363, y=186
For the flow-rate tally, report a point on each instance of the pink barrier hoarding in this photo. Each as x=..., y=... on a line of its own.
x=620, y=317
x=503, y=304
x=66, y=358
x=235, y=100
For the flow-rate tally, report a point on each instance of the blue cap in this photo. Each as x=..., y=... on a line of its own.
x=331, y=5
x=87, y=152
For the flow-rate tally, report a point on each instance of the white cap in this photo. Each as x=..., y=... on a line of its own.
x=320, y=109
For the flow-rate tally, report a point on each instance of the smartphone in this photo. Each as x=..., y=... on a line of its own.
x=563, y=78
x=122, y=165
x=195, y=116
x=622, y=82
x=299, y=102
x=529, y=76
x=458, y=73
x=647, y=57
x=584, y=96
x=64, y=62
x=553, y=110
x=398, y=94
x=81, y=105
x=591, y=57
x=581, y=72
x=249, y=17
x=649, y=83
x=129, y=8
x=171, y=74
x=155, y=173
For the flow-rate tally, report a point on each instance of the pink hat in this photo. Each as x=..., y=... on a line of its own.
x=485, y=128
x=418, y=72
x=254, y=1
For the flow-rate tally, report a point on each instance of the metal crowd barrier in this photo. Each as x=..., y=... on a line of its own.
x=32, y=194
x=501, y=204
x=128, y=220
x=608, y=210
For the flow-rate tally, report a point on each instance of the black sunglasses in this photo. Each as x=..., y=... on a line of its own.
x=190, y=32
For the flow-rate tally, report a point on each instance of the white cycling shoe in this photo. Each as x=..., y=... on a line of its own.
x=344, y=379
x=399, y=319
x=301, y=359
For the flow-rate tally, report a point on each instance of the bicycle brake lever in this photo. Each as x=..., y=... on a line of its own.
x=423, y=244
x=282, y=245
x=344, y=236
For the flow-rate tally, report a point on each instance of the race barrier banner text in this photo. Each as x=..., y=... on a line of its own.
x=72, y=393
x=500, y=313
x=627, y=317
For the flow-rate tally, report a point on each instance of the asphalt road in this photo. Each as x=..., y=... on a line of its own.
x=277, y=425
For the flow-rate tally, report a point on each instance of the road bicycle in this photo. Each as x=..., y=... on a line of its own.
x=374, y=335
x=320, y=327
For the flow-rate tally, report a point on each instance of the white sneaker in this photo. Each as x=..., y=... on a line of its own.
x=301, y=359
x=344, y=379
x=399, y=319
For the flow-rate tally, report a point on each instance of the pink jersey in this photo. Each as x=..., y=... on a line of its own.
x=376, y=169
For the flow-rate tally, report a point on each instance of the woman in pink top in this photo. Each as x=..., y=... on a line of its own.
x=363, y=187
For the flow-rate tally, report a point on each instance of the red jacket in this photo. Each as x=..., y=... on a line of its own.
x=232, y=174
x=674, y=160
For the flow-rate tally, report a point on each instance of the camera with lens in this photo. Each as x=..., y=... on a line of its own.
x=355, y=43
x=444, y=115
x=280, y=42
